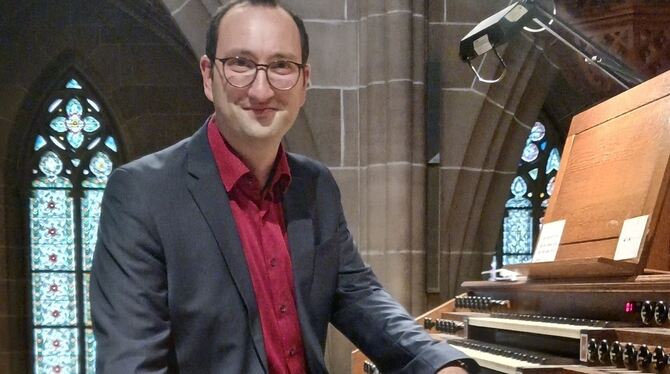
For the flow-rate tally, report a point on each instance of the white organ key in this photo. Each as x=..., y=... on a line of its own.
x=495, y=362
x=533, y=327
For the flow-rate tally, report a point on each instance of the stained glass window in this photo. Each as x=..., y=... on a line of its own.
x=74, y=152
x=529, y=195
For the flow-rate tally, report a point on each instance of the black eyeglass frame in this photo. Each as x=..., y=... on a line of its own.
x=264, y=67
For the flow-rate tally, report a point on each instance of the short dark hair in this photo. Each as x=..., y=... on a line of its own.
x=213, y=30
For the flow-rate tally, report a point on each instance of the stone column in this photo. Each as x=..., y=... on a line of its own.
x=392, y=162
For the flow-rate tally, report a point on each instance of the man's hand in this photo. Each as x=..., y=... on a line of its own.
x=452, y=370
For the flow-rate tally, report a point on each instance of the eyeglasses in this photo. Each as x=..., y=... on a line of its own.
x=241, y=72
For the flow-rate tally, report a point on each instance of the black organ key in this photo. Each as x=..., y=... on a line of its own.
x=630, y=357
x=616, y=354
x=647, y=312
x=644, y=357
x=592, y=350
x=660, y=313
x=660, y=359
x=603, y=353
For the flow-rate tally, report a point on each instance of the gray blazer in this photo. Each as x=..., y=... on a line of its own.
x=170, y=290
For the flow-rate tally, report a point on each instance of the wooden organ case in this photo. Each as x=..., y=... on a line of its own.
x=591, y=308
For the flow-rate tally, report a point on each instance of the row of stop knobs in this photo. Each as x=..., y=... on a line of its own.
x=626, y=356
x=443, y=325
x=479, y=302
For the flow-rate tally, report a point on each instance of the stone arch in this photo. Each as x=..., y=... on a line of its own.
x=483, y=133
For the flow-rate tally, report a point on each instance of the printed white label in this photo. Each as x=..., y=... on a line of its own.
x=547, y=243
x=630, y=240
x=516, y=13
x=482, y=45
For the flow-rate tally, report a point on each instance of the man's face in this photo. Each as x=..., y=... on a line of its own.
x=257, y=112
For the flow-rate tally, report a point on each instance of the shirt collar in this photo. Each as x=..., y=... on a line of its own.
x=232, y=169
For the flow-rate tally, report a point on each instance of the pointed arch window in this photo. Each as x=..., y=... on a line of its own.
x=529, y=195
x=73, y=152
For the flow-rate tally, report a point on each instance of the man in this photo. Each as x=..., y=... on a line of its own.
x=224, y=254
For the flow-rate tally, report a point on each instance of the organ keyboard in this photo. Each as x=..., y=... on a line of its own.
x=601, y=304
x=587, y=326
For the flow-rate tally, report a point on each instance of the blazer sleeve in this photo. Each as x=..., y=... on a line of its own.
x=377, y=324
x=128, y=284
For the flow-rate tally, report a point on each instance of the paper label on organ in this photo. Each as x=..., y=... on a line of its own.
x=630, y=240
x=583, y=350
x=547, y=243
x=482, y=45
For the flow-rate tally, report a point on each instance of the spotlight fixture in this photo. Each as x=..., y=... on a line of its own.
x=499, y=28
x=494, y=31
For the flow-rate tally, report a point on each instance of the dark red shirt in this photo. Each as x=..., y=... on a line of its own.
x=260, y=223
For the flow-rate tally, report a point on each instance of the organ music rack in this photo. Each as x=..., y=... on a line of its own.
x=585, y=311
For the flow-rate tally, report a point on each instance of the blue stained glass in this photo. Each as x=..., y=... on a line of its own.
x=530, y=152
x=50, y=164
x=537, y=132
x=56, y=351
x=528, y=195
x=74, y=123
x=72, y=83
x=111, y=143
x=518, y=232
x=87, y=305
x=518, y=202
x=74, y=108
x=90, y=215
x=91, y=124
x=93, y=143
x=58, y=182
x=90, y=351
x=519, y=186
x=62, y=251
x=39, y=142
x=517, y=259
x=53, y=233
x=101, y=165
x=75, y=139
x=94, y=182
x=93, y=105
x=554, y=161
x=54, y=299
x=57, y=143
x=55, y=105
x=51, y=227
x=58, y=124
x=550, y=186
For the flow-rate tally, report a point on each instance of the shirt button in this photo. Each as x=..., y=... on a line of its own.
x=291, y=352
x=282, y=309
x=273, y=262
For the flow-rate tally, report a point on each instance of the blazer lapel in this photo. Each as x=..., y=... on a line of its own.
x=298, y=212
x=299, y=203
x=206, y=187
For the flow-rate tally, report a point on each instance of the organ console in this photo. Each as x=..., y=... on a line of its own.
x=591, y=309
